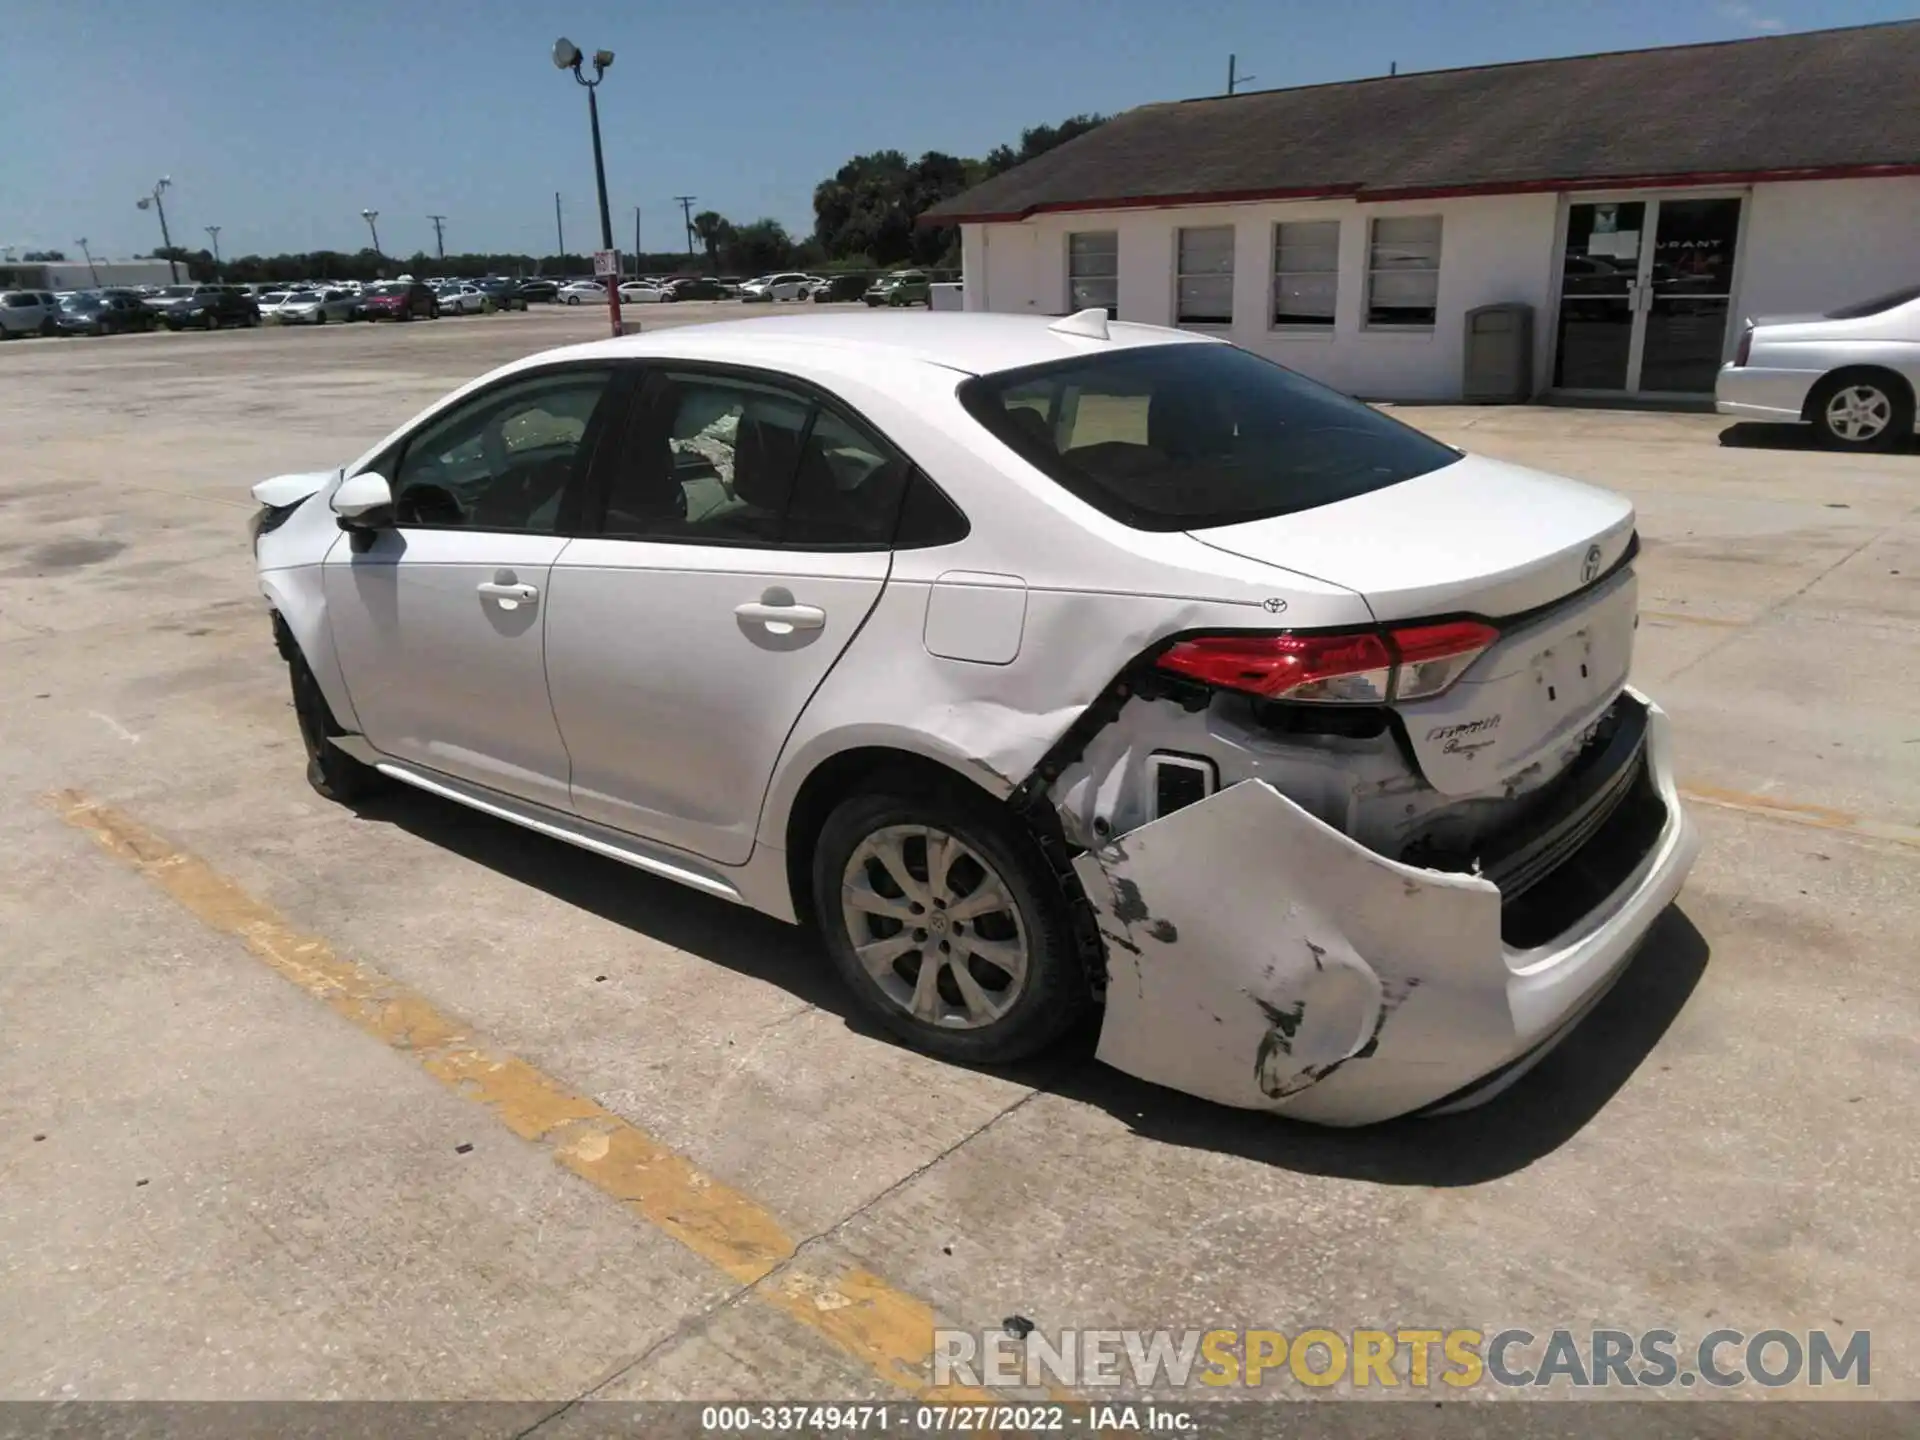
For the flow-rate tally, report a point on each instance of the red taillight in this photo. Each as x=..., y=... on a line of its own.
x=1350, y=669
x=1415, y=662
x=1745, y=352
x=1432, y=657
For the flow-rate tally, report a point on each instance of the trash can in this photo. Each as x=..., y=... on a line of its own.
x=1498, y=366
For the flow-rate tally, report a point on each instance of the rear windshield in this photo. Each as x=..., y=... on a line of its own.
x=1182, y=437
x=1875, y=306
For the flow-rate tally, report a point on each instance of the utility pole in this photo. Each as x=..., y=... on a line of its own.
x=560, y=234
x=1234, y=78
x=686, y=215
x=92, y=269
x=214, y=231
x=439, y=235
x=636, y=242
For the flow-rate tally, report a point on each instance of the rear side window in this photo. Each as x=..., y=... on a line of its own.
x=1877, y=306
x=727, y=460
x=1183, y=437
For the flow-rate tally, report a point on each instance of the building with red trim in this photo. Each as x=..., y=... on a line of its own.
x=1640, y=203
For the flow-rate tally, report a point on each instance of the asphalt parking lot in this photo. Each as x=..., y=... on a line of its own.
x=301, y=1103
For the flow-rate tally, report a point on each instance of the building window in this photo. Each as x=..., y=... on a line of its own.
x=1306, y=272
x=1093, y=271
x=1403, y=271
x=1203, y=284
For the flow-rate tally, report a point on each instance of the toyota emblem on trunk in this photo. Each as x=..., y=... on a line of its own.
x=1590, y=567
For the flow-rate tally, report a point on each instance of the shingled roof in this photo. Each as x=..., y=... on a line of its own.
x=1818, y=105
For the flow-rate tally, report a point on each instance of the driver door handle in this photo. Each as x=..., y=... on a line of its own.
x=495, y=590
x=797, y=617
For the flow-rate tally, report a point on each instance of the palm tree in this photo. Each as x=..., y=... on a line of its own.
x=713, y=230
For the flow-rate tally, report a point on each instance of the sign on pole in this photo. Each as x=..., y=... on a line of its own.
x=606, y=263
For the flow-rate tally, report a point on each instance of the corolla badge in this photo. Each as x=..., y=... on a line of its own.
x=1590, y=567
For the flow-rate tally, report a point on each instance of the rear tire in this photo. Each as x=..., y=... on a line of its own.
x=974, y=1009
x=1862, y=410
x=330, y=770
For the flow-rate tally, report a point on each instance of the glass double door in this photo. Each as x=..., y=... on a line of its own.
x=1645, y=292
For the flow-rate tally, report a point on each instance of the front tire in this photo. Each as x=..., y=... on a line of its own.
x=1862, y=410
x=948, y=925
x=330, y=770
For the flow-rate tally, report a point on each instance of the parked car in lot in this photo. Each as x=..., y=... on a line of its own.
x=1851, y=373
x=787, y=286
x=103, y=312
x=838, y=287
x=28, y=312
x=504, y=293
x=462, y=297
x=641, y=292
x=578, y=292
x=902, y=287
x=539, y=292
x=698, y=287
x=399, y=300
x=1037, y=666
x=169, y=296
x=315, y=307
x=210, y=309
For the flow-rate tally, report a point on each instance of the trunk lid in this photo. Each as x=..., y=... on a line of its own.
x=1486, y=539
x=1478, y=537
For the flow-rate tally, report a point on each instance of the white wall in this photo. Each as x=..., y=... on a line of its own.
x=1816, y=244
x=1497, y=248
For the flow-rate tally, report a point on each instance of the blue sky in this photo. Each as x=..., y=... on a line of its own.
x=280, y=122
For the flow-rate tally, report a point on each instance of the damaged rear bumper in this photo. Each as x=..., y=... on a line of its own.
x=1260, y=958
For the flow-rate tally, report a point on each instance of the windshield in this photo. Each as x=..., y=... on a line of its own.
x=392, y=288
x=302, y=297
x=1877, y=306
x=82, y=302
x=1188, y=436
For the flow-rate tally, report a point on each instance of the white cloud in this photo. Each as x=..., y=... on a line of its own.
x=1745, y=14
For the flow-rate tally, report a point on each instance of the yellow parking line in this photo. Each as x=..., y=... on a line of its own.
x=885, y=1328
x=1820, y=817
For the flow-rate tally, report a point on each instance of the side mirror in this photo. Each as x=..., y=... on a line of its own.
x=363, y=502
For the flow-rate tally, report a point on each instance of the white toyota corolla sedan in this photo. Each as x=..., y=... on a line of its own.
x=1040, y=666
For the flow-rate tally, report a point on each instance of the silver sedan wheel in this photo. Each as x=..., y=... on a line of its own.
x=935, y=926
x=1859, y=413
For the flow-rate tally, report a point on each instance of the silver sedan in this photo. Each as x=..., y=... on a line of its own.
x=1851, y=373
x=314, y=307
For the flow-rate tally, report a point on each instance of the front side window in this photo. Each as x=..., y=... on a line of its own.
x=715, y=459
x=1093, y=271
x=1306, y=273
x=502, y=460
x=1403, y=271
x=1203, y=286
x=1189, y=436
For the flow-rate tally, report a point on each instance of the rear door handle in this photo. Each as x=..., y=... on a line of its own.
x=794, y=617
x=509, y=594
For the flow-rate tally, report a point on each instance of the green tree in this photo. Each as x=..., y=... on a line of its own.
x=714, y=231
x=757, y=248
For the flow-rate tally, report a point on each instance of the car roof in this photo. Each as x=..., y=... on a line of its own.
x=976, y=343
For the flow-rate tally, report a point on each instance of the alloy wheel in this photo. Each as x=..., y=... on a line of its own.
x=1859, y=413
x=935, y=926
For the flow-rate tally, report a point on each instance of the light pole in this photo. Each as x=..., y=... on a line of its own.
x=567, y=56
x=156, y=203
x=439, y=234
x=370, y=216
x=92, y=269
x=213, y=232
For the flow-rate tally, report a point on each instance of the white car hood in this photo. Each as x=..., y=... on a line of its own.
x=1478, y=536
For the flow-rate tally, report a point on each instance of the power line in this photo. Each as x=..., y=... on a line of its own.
x=686, y=214
x=439, y=234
